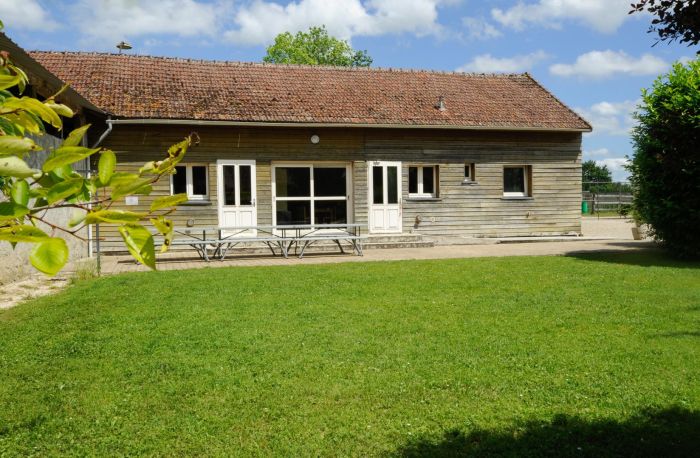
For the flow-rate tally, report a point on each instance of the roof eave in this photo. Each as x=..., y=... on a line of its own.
x=195, y=122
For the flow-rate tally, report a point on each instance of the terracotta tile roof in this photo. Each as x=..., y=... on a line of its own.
x=129, y=86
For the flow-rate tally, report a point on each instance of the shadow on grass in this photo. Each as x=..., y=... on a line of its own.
x=669, y=432
x=680, y=334
x=651, y=256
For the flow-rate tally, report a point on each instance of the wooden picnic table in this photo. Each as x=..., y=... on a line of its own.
x=283, y=237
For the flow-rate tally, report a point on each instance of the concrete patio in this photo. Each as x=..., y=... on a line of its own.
x=599, y=234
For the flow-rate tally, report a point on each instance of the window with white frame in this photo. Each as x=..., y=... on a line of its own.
x=516, y=181
x=191, y=179
x=469, y=172
x=422, y=181
x=311, y=194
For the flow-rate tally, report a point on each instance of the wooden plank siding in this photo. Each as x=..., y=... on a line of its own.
x=472, y=210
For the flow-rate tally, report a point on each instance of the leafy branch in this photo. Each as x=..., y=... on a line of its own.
x=30, y=195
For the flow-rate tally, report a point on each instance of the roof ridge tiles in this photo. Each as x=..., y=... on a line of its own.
x=275, y=65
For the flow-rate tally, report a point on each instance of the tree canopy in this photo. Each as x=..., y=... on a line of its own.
x=675, y=19
x=665, y=169
x=315, y=47
x=593, y=172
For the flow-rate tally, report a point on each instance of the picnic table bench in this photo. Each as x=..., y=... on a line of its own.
x=219, y=240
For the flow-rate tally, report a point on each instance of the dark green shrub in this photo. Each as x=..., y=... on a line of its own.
x=665, y=169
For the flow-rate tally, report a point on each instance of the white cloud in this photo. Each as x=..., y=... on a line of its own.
x=112, y=20
x=259, y=22
x=611, y=118
x=486, y=63
x=602, y=15
x=596, y=153
x=479, y=29
x=616, y=165
x=604, y=64
x=26, y=14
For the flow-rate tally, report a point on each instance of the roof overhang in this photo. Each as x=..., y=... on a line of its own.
x=195, y=122
x=33, y=68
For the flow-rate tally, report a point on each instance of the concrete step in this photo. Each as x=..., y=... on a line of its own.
x=414, y=244
x=389, y=238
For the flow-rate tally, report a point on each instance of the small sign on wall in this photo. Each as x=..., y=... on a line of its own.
x=132, y=200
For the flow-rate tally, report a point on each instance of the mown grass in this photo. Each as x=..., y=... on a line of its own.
x=578, y=356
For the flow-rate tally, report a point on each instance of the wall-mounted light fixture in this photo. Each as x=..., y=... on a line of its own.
x=315, y=139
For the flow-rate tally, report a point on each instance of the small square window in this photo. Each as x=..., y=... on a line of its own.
x=192, y=180
x=422, y=181
x=516, y=181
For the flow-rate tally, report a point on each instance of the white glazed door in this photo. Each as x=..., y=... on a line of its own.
x=384, y=197
x=236, y=194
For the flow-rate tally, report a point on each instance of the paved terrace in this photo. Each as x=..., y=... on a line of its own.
x=604, y=234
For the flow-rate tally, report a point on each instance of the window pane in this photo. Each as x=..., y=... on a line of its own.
x=329, y=182
x=199, y=180
x=330, y=212
x=514, y=179
x=428, y=180
x=246, y=185
x=377, y=185
x=392, y=177
x=180, y=180
x=413, y=180
x=468, y=171
x=293, y=212
x=229, y=185
x=293, y=181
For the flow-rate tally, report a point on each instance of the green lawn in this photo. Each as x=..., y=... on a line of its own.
x=563, y=356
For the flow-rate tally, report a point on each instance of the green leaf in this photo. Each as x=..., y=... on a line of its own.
x=9, y=128
x=67, y=155
x=20, y=192
x=106, y=165
x=15, y=167
x=139, y=242
x=16, y=146
x=50, y=255
x=27, y=121
x=8, y=81
x=138, y=186
x=35, y=107
x=64, y=189
x=22, y=233
x=60, y=109
x=165, y=227
x=77, y=217
x=12, y=210
x=75, y=138
x=113, y=216
x=168, y=201
x=121, y=178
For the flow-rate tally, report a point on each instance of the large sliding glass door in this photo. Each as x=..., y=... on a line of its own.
x=311, y=194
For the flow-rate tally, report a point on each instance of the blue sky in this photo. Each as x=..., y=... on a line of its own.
x=590, y=53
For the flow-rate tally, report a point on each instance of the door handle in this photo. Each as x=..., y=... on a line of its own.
x=253, y=202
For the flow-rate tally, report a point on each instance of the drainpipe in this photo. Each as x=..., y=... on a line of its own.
x=104, y=135
x=109, y=122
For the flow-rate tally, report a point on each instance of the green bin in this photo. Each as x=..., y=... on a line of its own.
x=584, y=207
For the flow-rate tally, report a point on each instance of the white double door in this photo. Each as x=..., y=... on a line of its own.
x=236, y=193
x=384, y=196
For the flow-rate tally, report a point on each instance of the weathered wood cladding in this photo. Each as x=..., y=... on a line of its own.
x=476, y=209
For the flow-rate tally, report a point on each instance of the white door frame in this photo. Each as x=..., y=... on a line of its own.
x=385, y=208
x=220, y=190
